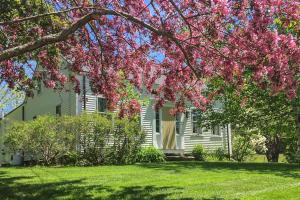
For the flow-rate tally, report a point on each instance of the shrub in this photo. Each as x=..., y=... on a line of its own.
x=220, y=154
x=292, y=153
x=44, y=139
x=150, y=155
x=259, y=144
x=242, y=148
x=199, y=152
x=126, y=139
x=93, y=131
x=70, y=158
x=87, y=139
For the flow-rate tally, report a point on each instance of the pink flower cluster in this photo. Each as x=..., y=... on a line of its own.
x=172, y=49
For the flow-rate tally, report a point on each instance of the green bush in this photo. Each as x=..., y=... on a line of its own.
x=291, y=152
x=199, y=152
x=126, y=139
x=242, y=148
x=87, y=139
x=150, y=155
x=220, y=154
x=93, y=133
x=70, y=158
x=45, y=139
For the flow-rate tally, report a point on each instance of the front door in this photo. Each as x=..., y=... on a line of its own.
x=168, y=129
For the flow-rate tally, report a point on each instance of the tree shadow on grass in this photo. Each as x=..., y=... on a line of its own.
x=148, y=192
x=279, y=169
x=23, y=187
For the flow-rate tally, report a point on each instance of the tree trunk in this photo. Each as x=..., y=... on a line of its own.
x=273, y=148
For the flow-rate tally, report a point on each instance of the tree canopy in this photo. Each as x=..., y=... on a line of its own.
x=182, y=44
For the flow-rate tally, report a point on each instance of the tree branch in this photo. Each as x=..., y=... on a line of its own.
x=38, y=16
x=64, y=34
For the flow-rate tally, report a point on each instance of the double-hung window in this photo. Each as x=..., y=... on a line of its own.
x=58, y=110
x=196, y=117
x=178, y=123
x=157, y=122
x=102, y=105
x=216, y=130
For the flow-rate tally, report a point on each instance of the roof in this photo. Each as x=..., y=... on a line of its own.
x=25, y=99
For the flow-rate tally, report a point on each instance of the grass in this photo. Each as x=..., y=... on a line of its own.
x=263, y=158
x=172, y=180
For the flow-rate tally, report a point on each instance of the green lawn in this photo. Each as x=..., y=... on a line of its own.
x=172, y=180
x=263, y=159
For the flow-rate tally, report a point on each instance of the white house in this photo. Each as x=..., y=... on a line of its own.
x=173, y=134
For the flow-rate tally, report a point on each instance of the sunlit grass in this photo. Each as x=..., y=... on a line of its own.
x=172, y=180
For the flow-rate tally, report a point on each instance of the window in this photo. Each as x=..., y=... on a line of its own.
x=157, y=122
x=102, y=104
x=216, y=130
x=178, y=123
x=39, y=87
x=196, y=116
x=58, y=110
x=23, y=113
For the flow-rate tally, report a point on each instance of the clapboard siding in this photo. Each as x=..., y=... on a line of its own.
x=209, y=141
x=147, y=124
x=91, y=103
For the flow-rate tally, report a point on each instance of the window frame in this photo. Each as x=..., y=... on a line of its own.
x=157, y=121
x=58, y=110
x=218, y=127
x=196, y=129
x=178, y=123
x=39, y=87
x=98, y=105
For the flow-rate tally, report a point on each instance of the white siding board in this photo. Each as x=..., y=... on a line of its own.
x=147, y=124
x=209, y=141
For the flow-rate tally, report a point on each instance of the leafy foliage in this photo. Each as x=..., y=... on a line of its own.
x=126, y=139
x=199, y=152
x=242, y=148
x=254, y=109
x=92, y=131
x=220, y=154
x=150, y=155
x=45, y=138
x=88, y=139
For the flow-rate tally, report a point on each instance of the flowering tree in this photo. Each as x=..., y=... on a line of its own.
x=184, y=43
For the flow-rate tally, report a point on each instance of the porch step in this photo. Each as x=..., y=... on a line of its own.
x=178, y=157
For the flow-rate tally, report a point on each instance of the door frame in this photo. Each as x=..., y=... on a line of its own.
x=162, y=127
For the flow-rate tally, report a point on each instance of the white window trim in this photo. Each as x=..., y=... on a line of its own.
x=192, y=123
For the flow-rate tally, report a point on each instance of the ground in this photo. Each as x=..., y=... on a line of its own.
x=171, y=180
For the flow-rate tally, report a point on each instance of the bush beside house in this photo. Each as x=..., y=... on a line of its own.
x=150, y=155
x=88, y=139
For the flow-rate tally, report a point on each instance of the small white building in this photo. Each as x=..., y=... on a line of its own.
x=173, y=134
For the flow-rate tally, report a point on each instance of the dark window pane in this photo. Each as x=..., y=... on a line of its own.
x=157, y=122
x=39, y=89
x=102, y=104
x=58, y=110
x=177, y=124
x=196, y=116
x=23, y=113
x=216, y=130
